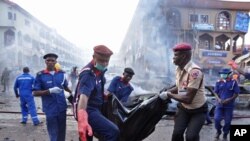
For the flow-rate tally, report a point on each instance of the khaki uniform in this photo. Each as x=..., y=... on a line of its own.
x=191, y=77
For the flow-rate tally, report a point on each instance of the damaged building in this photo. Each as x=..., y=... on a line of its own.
x=24, y=40
x=216, y=29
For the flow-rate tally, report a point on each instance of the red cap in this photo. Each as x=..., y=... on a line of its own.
x=102, y=50
x=182, y=47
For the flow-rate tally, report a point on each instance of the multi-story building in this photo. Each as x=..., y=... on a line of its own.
x=24, y=40
x=216, y=30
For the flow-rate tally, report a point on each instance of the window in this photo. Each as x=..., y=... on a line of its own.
x=195, y=18
x=10, y=16
x=222, y=42
x=9, y=37
x=27, y=23
x=173, y=18
x=223, y=21
x=19, y=38
x=27, y=38
x=205, y=41
x=203, y=19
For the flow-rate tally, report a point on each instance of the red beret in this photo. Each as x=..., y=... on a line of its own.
x=102, y=50
x=182, y=47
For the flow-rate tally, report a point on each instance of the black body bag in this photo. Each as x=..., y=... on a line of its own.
x=139, y=122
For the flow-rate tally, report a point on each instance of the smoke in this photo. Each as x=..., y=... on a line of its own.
x=147, y=47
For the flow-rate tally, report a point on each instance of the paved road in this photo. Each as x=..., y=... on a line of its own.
x=12, y=130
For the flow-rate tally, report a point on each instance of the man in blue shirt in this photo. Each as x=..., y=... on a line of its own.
x=90, y=98
x=226, y=90
x=120, y=86
x=23, y=89
x=50, y=85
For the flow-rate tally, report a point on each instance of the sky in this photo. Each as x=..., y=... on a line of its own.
x=85, y=23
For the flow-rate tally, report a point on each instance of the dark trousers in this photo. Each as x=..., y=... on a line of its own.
x=104, y=128
x=220, y=113
x=6, y=85
x=189, y=121
x=56, y=126
x=208, y=119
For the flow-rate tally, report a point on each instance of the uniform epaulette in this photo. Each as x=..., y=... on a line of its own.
x=40, y=72
x=234, y=80
x=221, y=80
x=85, y=69
x=62, y=71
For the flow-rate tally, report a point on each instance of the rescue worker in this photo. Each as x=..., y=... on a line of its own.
x=189, y=91
x=50, y=85
x=121, y=87
x=23, y=89
x=226, y=90
x=90, y=97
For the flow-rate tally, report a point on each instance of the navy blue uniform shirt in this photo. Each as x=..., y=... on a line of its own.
x=53, y=104
x=120, y=89
x=91, y=84
x=226, y=89
x=24, y=83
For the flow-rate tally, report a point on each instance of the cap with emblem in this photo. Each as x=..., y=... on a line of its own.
x=225, y=71
x=129, y=71
x=50, y=55
x=102, y=50
x=182, y=47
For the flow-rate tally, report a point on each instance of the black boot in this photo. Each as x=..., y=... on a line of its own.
x=224, y=137
x=217, y=135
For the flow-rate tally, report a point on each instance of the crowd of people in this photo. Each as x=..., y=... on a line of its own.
x=87, y=87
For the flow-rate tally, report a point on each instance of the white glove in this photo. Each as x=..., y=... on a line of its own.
x=164, y=95
x=55, y=90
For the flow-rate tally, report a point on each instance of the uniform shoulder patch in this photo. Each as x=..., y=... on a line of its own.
x=85, y=69
x=62, y=71
x=195, y=73
x=39, y=73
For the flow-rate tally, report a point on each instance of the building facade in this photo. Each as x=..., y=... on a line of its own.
x=216, y=30
x=24, y=40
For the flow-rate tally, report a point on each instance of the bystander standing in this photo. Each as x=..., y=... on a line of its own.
x=5, y=79
x=73, y=78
